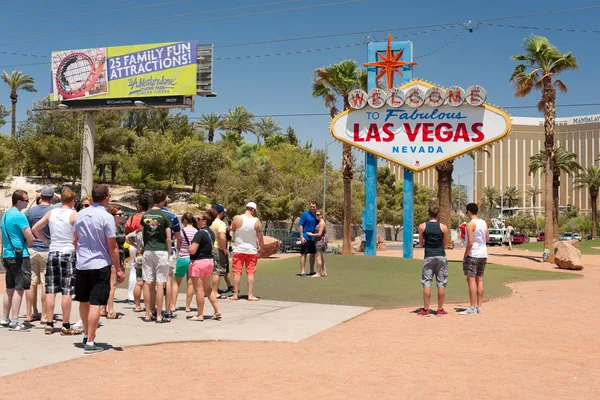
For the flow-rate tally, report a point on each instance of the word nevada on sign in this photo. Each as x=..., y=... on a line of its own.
x=419, y=125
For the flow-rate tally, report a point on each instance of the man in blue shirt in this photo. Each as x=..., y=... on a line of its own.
x=175, y=244
x=307, y=224
x=16, y=239
x=97, y=253
x=38, y=255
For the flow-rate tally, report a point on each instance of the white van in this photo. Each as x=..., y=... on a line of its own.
x=497, y=236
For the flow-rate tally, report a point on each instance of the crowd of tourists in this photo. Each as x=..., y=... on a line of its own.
x=81, y=252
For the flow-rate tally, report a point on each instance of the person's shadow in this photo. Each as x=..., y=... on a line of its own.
x=105, y=346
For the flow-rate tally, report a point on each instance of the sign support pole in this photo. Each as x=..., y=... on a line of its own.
x=369, y=216
x=87, y=159
x=408, y=220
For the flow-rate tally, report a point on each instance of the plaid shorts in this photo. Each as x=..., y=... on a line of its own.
x=474, y=266
x=60, y=273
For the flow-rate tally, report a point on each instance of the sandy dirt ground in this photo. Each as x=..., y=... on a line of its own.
x=540, y=343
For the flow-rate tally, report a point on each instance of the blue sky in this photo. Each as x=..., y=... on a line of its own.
x=281, y=85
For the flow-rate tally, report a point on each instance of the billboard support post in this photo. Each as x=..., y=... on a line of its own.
x=87, y=160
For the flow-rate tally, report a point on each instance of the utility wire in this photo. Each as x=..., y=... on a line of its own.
x=539, y=28
x=51, y=10
x=76, y=28
x=442, y=47
x=179, y=23
x=97, y=12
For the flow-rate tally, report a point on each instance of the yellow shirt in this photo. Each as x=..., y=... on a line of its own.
x=217, y=227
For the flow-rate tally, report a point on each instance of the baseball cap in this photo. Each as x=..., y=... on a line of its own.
x=47, y=191
x=251, y=205
x=219, y=208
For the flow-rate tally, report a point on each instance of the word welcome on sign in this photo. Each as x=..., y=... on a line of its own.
x=419, y=124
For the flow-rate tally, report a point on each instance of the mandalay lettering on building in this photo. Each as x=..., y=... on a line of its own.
x=586, y=120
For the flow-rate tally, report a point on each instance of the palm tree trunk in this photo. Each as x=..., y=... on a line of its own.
x=13, y=100
x=348, y=175
x=594, y=216
x=555, y=188
x=211, y=135
x=114, y=166
x=445, y=194
x=549, y=99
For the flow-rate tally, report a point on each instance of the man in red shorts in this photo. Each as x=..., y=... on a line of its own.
x=247, y=245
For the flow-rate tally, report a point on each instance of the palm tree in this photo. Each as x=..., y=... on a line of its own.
x=511, y=196
x=266, y=127
x=590, y=178
x=239, y=120
x=564, y=161
x=545, y=62
x=491, y=195
x=17, y=81
x=431, y=194
x=533, y=192
x=290, y=133
x=331, y=83
x=210, y=123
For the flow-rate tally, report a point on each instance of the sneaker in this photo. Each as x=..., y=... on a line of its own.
x=70, y=332
x=48, y=330
x=169, y=315
x=78, y=325
x=423, y=312
x=4, y=323
x=469, y=311
x=92, y=348
x=441, y=311
x=131, y=302
x=479, y=310
x=18, y=327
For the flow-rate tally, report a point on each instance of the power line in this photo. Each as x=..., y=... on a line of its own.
x=62, y=9
x=99, y=12
x=460, y=32
x=62, y=29
x=544, y=28
x=179, y=23
x=22, y=4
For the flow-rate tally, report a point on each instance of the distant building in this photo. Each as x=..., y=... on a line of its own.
x=508, y=160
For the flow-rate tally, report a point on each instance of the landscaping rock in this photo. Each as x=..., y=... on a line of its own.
x=271, y=247
x=567, y=256
x=357, y=245
x=380, y=243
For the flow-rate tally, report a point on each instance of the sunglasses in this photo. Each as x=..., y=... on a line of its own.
x=86, y=205
x=118, y=214
x=318, y=215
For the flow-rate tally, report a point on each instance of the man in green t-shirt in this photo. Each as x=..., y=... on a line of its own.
x=156, y=226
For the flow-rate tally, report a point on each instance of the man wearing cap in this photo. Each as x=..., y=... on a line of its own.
x=38, y=256
x=248, y=241
x=221, y=268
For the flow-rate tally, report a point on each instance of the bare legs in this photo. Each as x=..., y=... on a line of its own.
x=189, y=294
x=311, y=260
x=472, y=283
x=202, y=284
x=321, y=270
x=65, y=303
x=90, y=316
x=236, y=285
x=479, y=291
x=12, y=303
x=110, y=306
x=426, y=297
x=149, y=298
x=137, y=295
x=176, y=282
x=31, y=301
x=302, y=266
x=169, y=306
x=159, y=295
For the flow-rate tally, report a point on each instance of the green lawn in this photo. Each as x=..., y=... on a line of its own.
x=378, y=281
x=586, y=247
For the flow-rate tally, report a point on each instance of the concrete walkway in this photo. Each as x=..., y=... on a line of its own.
x=264, y=320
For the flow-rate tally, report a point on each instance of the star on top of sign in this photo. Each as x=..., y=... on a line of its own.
x=389, y=64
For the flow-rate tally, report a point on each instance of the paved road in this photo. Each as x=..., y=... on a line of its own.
x=265, y=320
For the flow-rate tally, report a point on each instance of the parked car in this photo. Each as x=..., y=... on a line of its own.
x=566, y=236
x=415, y=239
x=496, y=237
x=291, y=243
x=577, y=236
x=520, y=238
x=541, y=237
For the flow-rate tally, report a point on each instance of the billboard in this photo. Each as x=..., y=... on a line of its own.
x=138, y=71
x=419, y=125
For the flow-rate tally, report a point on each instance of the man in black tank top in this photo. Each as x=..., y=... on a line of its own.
x=433, y=237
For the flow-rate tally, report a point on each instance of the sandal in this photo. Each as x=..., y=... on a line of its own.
x=220, y=296
x=151, y=319
x=216, y=317
x=139, y=309
x=114, y=315
x=253, y=298
x=34, y=317
x=233, y=298
x=196, y=319
x=163, y=320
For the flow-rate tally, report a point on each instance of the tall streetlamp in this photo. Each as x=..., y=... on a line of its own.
x=325, y=175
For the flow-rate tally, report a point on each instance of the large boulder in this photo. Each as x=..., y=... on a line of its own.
x=567, y=256
x=380, y=243
x=357, y=245
x=574, y=243
x=271, y=246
